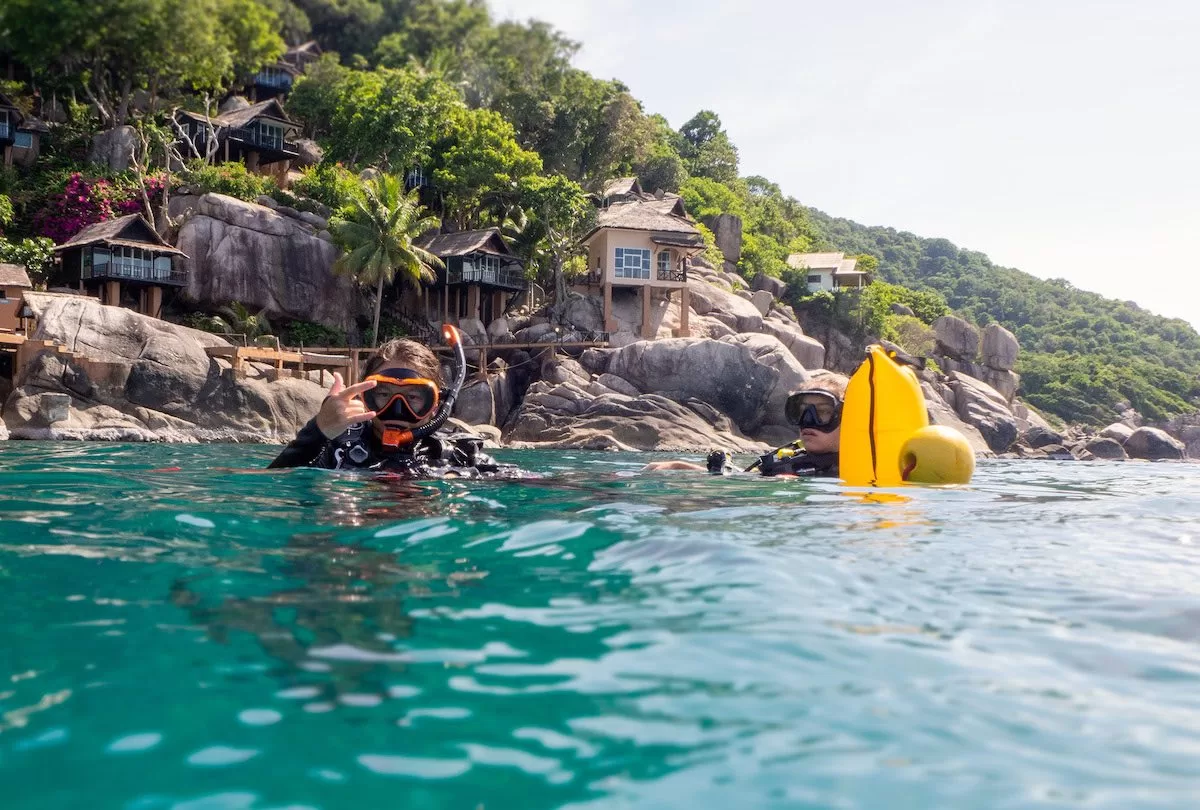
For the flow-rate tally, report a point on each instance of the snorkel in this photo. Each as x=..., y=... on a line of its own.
x=394, y=439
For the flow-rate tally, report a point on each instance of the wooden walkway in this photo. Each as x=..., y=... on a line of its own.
x=300, y=362
x=355, y=356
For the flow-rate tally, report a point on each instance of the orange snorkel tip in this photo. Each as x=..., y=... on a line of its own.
x=450, y=335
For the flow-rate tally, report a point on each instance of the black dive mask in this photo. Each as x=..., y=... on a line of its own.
x=815, y=409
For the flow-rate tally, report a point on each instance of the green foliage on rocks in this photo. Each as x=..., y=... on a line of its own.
x=231, y=179
x=1081, y=353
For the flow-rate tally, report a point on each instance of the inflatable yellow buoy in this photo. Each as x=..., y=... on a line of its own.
x=883, y=407
x=937, y=455
x=886, y=436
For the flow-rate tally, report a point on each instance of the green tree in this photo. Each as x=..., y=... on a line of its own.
x=376, y=233
x=346, y=26
x=315, y=96
x=706, y=149
x=560, y=214
x=388, y=117
x=478, y=161
x=108, y=50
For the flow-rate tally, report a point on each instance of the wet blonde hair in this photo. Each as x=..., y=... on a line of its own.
x=833, y=383
x=405, y=353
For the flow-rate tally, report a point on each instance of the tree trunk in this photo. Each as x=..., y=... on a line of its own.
x=378, y=307
x=126, y=99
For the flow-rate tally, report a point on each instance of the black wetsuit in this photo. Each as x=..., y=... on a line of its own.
x=817, y=465
x=442, y=455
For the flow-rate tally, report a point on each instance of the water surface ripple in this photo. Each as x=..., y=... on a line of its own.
x=180, y=631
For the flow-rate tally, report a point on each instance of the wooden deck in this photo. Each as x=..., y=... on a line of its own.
x=300, y=362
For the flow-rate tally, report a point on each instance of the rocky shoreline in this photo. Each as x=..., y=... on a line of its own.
x=92, y=372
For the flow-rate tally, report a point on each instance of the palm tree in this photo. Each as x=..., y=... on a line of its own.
x=376, y=231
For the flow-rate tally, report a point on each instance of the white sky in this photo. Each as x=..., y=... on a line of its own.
x=1061, y=137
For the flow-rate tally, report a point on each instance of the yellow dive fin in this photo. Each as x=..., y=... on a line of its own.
x=884, y=406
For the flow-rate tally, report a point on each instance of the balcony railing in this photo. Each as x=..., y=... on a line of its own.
x=510, y=277
x=252, y=136
x=137, y=270
x=672, y=274
x=277, y=79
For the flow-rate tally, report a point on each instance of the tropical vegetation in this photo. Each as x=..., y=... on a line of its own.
x=497, y=120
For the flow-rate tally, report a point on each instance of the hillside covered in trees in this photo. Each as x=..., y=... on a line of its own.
x=510, y=133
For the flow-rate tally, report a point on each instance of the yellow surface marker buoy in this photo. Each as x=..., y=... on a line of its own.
x=884, y=409
x=936, y=454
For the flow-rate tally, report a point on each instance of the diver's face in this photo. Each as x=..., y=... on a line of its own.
x=817, y=442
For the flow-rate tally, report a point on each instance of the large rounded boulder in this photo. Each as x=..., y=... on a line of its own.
x=1153, y=444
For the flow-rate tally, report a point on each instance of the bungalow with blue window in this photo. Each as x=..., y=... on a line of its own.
x=642, y=242
x=20, y=135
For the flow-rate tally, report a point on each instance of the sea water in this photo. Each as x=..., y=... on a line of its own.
x=181, y=630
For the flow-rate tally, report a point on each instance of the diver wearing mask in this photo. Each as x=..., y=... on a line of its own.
x=817, y=412
x=391, y=421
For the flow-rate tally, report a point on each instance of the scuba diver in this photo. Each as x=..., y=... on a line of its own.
x=817, y=410
x=391, y=421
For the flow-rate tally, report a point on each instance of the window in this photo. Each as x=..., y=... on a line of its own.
x=23, y=140
x=632, y=263
x=3, y=294
x=162, y=267
x=664, y=262
x=814, y=279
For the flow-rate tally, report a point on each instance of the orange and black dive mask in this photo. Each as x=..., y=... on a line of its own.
x=401, y=395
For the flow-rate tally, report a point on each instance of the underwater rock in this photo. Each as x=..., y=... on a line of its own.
x=134, y=378
x=1153, y=444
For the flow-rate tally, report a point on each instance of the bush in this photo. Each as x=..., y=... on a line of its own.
x=306, y=333
x=68, y=206
x=910, y=334
x=230, y=179
x=329, y=184
x=36, y=255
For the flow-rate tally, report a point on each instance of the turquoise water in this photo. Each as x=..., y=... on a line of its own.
x=208, y=639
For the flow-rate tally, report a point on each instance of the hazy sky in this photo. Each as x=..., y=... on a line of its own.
x=1059, y=137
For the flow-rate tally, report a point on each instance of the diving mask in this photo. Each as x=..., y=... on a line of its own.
x=815, y=409
x=401, y=395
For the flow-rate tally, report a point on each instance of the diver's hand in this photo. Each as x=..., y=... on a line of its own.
x=342, y=408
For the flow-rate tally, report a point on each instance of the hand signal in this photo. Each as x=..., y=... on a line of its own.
x=342, y=408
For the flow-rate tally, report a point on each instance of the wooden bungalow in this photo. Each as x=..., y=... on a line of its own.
x=644, y=242
x=261, y=135
x=20, y=134
x=124, y=261
x=14, y=282
x=272, y=81
x=481, y=280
